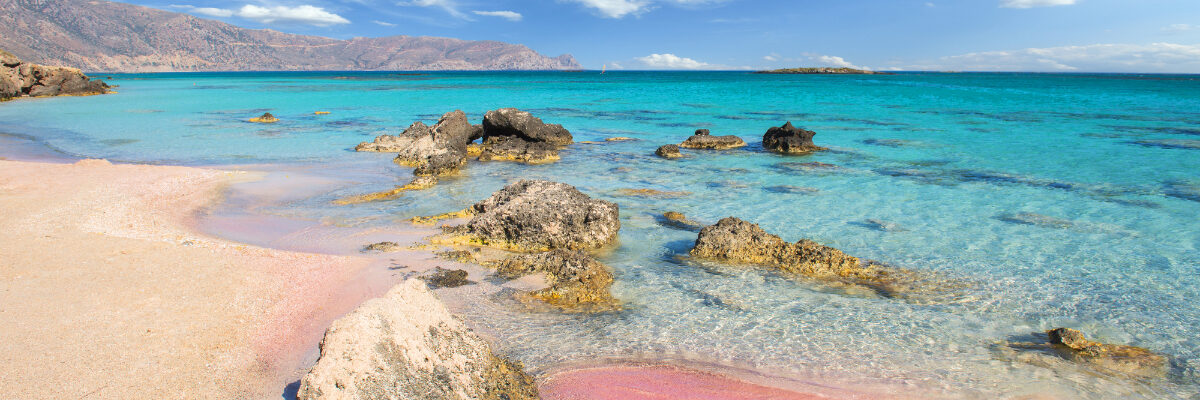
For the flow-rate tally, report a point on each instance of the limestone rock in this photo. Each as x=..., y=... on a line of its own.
x=703, y=140
x=21, y=79
x=382, y=247
x=266, y=118
x=668, y=151
x=576, y=281
x=407, y=345
x=677, y=220
x=1072, y=345
x=789, y=139
x=447, y=278
x=521, y=124
x=512, y=148
x=533, y=215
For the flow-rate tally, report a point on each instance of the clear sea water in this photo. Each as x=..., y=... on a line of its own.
x=939, y=159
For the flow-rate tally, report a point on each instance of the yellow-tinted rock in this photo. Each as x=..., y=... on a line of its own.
x=266, y=118
x=320, y=112
x=433, y=219
x=420, y=183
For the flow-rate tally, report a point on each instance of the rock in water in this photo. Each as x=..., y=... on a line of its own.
x=789, y=139
x=447, y=278
x=736, y=241
x=534, y=216
x=22, y=79
x=577, y=282
x=703, y=140
x=521, y=124
x=266, y=118
x=677, y=220
x=407, y=345
x=512, y=148
x=1072, y=345
x=668, y=151
x=436, y=151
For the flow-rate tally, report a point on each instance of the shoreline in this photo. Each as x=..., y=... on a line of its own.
x=263, y=309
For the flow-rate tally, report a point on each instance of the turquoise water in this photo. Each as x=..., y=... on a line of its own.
x=942, y=159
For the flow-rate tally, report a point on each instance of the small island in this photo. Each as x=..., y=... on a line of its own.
x=823, y=71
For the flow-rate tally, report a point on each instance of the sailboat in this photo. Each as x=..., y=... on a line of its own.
x=603, y=68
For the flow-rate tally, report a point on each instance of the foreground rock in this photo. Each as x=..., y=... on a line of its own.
x=669, y=151
x=576, y=282
x=22, y=79
x=789, y=139
x=703, y=140
x=406, y=345
x=535, y=216
x=1112, y=359
x=736, y=241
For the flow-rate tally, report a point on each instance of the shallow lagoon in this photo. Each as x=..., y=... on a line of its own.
x=945, y=160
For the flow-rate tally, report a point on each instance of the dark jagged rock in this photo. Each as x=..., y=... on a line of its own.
x=1113, y=359
x=382, y=246
x=447, y=278
x=266, y=118
x=512, y=148
x=440, y=164
x=517, y=123
x=789, y=139
x=736, y=241
x=668, y=151
x=575, y=281
x=440, y=150
x=22, y=79
x=703, y=140
x=533, y=216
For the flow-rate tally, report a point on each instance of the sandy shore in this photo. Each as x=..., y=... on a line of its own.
x=107, y=292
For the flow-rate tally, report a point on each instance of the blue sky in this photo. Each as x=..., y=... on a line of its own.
x=995, y=35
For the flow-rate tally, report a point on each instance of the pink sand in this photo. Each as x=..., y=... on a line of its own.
x=658, y=383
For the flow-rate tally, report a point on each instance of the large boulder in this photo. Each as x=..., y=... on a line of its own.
x=19, y=79
x=789, y=139
x=702, y=139
x=440, y=150
x=576, y=282
x=534, y=216
x=407, y=345
x=517, y=123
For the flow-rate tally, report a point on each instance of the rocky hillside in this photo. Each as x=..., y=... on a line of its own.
x=119, y=37
x=22, y=79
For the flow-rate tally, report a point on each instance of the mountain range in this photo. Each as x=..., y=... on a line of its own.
x=117, y=37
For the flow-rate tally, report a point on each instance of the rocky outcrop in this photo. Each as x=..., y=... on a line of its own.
x=447, y=278
x=703, y=140
x=22, y=79
x=510, y=134
x=575, y=281
x=440, y=150
x=736, y=241
x=266, y=118
x=407, y=345
x=122, y=37
x=535, y=216
x=789, y=139
x=668, y=151
x=1112, y=359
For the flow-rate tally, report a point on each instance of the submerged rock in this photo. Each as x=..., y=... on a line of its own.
x=1028, y=218
x=740, y=242
x=668, y=151
x=679, y=221
x=407, y=345
x=532, y=216
x=516, y=123
x=789, y=139
x=1113, y=359
x=22, y=79
x=662, y=194
x=418, y=183
x=703, y=140
x=266, y=118
x=575, y=281
x=447, y=278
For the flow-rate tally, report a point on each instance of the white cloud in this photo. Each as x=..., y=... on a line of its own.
x=616, y=8
x=771, y=57
x=450, y=6
x=930, y=5
x=1034, y=3
x=509, y=15
x=300, y=14
x=1179, y=28
x=381, y=23
x=213, y=12
x=671, y=61
x=1151, y=58
x=834, y=61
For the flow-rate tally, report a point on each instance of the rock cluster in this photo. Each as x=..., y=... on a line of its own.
x=703, y=140
x=789, y=139
x=436, y=151
x=736, y=241
x=22, y=79
x=407, y=345
x=535, y=216
x=575, y=281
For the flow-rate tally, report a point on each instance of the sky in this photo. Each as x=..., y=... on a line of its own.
x=1160, y=36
